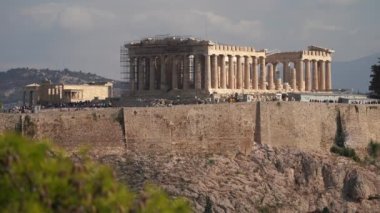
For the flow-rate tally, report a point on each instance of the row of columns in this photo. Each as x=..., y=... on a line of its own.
x=221, y=72
x=308, y=75
x=156, y=70
x=226, y=74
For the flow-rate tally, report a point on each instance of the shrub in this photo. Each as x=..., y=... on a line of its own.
x=340, y=135
x=345, y=151
x=36, y=177
x=208, y=207
x=374, y=149
x=30, y=128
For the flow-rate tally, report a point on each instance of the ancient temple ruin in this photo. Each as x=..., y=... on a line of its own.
x=194, y=67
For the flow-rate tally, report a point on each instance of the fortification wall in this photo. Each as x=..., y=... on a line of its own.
x=99, y=130
x=304, y=125
x=201, y=129
x=224, y=128
x=232, y=128
x=361, y=123
x=8, y=122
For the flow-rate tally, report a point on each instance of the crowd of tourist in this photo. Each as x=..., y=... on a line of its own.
x=63, y=106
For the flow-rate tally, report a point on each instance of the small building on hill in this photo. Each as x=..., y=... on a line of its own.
x=47, y=93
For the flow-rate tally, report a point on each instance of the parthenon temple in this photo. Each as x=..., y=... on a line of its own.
x=189, y=66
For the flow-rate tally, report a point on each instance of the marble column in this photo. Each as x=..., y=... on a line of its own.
x=197, y=74
x=275, y=72
x=294, y=79
x=247, y=73
x=230, y=72
x=214, y=72
x=315, y=75
x=223, y=72
x=186, y=72
x=285, y=77
x=207, y=72
x=239, y=73
x=163, y=73
x=300, y=78
x=141, y=73
x=270, y=77
x=328, y=76
x=263, y=75
x=255, y=77
x=174, y=74
x=322, y=86
x=152, y=72
x=278, y=83
x=307, y=75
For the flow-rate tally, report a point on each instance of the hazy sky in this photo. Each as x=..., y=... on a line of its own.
x=86, y=35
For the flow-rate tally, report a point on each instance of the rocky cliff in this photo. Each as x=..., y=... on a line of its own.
x=251, y=157
x=267, y=179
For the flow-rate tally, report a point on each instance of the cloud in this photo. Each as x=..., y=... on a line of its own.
x=338, y=2
x=320, y=26
x=67, y=17
x=194, y=22
x=252, y=28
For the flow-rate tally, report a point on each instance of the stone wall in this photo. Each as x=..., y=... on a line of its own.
x=224, y=128
x=203, y=129
x=232, y=128
x=9, y=122
x=99, y=130
x=362, y=124
x=304, y=125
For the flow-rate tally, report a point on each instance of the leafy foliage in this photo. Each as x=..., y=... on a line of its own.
x=36, y=177
x=374, y=149
x=30, y=128
x=345, y=151
x=154, y=199
x=375, y=81
x=340, y=136
x=208, y=207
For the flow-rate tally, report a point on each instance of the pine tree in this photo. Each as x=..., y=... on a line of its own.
x=375, y=82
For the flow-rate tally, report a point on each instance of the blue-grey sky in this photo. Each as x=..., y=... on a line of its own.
x=86, y=35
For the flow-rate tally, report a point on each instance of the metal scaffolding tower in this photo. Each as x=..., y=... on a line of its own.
x=125, y=64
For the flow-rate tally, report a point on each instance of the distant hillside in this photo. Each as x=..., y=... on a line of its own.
x=353, y=74
x=13, y=81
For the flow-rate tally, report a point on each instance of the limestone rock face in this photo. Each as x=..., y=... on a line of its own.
x=265, y=180
x=355, y=186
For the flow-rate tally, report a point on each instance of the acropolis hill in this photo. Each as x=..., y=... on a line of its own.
x=262, y=155
x=243, y=156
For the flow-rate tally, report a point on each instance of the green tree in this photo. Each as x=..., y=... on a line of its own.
x=36, y=177
x=375, y=80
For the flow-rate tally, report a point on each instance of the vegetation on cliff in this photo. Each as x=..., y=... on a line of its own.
x=36, y=177
x=340, y=147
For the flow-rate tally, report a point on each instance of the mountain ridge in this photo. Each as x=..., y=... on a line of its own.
x=354, y=74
